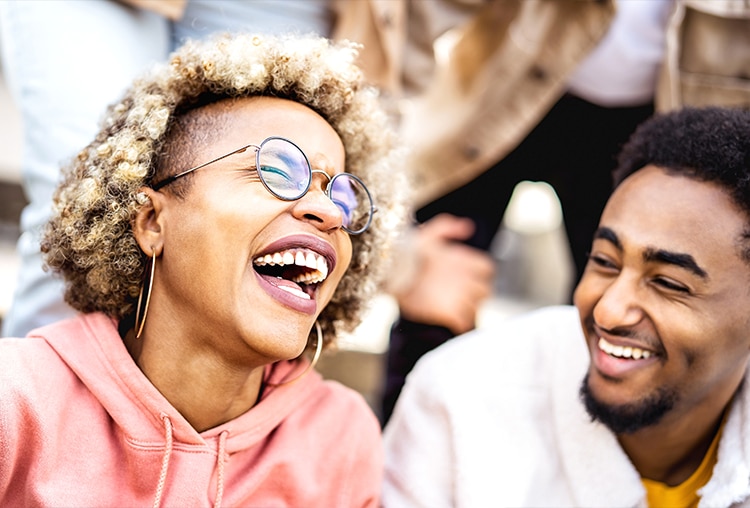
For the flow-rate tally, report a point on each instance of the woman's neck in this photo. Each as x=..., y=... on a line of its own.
x=206, y=391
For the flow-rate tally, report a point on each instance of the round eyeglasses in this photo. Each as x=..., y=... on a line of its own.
x=286, y=173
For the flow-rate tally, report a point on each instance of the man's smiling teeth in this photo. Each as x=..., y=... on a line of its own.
x=317, y=263
x=623, y=351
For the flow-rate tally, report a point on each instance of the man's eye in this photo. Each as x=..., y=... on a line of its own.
x=602, y=261
x=671, y=285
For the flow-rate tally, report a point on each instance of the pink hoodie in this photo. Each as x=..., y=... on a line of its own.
x=80, y=425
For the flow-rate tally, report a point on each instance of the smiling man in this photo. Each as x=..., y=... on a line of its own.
x=634, y=397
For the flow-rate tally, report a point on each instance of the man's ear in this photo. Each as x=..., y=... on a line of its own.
x=148, y=227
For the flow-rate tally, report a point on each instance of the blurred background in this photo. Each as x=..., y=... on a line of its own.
x=11, y=195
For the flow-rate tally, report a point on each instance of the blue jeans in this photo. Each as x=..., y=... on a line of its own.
x=65, y=61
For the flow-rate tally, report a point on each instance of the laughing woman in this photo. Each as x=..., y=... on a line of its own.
x=218, y=233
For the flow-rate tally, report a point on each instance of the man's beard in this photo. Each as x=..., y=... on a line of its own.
x=628, y=418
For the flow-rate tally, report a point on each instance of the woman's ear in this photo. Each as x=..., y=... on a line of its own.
x=148, y=227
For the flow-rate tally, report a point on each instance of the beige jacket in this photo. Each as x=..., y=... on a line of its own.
x=509, y=65
x=511, y=62
x=708, y=55
x=171, y=9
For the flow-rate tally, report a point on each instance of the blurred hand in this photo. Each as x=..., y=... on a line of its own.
x=450, y=280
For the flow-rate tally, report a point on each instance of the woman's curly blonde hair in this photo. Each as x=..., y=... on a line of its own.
x=89, y=238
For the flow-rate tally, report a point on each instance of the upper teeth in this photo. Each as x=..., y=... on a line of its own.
x=317, y=263
x=623, y=351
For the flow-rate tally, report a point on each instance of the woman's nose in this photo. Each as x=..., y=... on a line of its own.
x=315, y=206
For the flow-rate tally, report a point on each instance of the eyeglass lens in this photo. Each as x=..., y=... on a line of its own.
x=352, y=198
x=286, y=173
x=283, y=168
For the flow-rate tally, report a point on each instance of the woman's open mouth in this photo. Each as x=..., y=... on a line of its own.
x=296, y=271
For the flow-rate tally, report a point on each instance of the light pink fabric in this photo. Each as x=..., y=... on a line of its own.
x=80, y=425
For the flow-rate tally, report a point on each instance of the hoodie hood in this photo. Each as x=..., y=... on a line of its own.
x=94, y=351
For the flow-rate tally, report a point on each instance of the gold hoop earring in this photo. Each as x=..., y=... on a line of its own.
x=316, y=357
x=148, y=298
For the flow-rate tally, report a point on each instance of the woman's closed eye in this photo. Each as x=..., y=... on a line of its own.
x=249, y=173
x=277, y=177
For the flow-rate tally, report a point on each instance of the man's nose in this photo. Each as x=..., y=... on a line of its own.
x=620, y=304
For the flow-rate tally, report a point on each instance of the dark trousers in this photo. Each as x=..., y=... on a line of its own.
x=574, y=149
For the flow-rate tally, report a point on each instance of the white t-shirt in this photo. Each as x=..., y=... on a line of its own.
x=622, y=70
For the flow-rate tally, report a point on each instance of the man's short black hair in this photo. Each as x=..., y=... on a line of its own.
x=709, y=144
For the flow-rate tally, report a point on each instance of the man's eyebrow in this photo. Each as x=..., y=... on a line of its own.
x=682, y=260
x=604, y=233
x=685, y=261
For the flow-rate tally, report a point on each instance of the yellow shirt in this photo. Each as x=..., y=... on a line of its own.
x=684, y=495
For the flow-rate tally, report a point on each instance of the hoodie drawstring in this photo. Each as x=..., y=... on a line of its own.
x=165, y=460
x=221, y=460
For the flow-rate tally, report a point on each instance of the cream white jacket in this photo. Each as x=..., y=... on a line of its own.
x=493, y=418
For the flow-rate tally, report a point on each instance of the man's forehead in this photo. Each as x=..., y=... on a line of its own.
x=676, y=199
x=653, y=210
